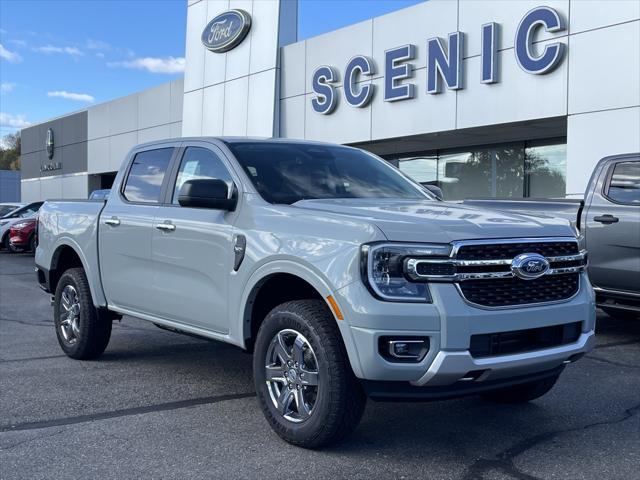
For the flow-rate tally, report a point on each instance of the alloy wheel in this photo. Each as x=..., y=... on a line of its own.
x=292, y=378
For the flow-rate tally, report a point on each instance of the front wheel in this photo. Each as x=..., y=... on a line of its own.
x=303, y=379
x=522, y=393
x=82, y=332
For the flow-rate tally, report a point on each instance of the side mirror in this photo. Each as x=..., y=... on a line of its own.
x=207, y=193
x=437, y=191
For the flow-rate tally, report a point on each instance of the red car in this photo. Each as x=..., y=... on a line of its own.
x=22, y=235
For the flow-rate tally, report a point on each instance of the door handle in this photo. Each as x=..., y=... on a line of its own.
x=113, y=221
x=606, y=219
x=166, y=227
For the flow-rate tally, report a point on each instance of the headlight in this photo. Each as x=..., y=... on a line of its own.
x=384, y=270
x=3, y=222
x=20, y=225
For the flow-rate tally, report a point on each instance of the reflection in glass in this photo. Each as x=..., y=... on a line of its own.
x=513, y=170
x=289, y=172
x=146, y=175
x=495, y=171
x=423, y=170
x=200, y=163
x=625, y=183
x=546, y=167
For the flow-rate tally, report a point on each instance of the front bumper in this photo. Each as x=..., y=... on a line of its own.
x=19, y=240
x=449, y=322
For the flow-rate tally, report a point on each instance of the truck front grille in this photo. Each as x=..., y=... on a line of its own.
x=485, y=274
x=510, y=250
x=519, y=341
x=515, y=291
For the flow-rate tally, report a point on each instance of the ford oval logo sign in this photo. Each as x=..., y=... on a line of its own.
x=226, y=31
x=529, y=266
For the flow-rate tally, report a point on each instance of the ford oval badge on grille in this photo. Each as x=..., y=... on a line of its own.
x=529, y=266
x=226, y=31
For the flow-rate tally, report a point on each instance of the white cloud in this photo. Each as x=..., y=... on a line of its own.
x=153, y=65
x=79, y=97
x=19, y=43
x=73, y=51
x=97, y=45
x=13, y=121
x=99, y=54
x=9, y=56
x=6, y=87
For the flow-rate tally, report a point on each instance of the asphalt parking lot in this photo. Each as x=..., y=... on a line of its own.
x=162, y=405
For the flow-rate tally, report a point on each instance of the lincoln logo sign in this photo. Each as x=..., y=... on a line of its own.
x=49, y=144
x=445, y=66
x=226, y=31
x=529, y=266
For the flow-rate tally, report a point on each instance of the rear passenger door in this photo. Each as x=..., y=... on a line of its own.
x=126, y=224
x=193, y=256
x=613, y=228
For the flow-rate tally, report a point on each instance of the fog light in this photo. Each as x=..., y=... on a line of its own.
x=412, y=349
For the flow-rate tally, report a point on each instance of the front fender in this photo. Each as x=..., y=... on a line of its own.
x=308, y=273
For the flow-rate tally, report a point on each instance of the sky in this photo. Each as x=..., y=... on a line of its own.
x=59, y=56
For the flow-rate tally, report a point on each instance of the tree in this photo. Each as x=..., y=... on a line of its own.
x=10, y=152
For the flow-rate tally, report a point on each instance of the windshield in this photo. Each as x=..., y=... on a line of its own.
x=5, y=209
x=289, y=172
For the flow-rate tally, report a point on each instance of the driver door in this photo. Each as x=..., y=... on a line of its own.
x=191, y=248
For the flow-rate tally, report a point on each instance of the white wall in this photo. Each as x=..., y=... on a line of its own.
x=596, y=87
x=72, y=186
x=117, y=126
x=235, y=93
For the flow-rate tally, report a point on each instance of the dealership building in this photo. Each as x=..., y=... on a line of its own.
x=485, y=98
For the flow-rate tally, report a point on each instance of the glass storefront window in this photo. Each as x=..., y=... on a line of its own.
x=423, y=169
x=495, y=171
x=546, y=167
x=513, y=170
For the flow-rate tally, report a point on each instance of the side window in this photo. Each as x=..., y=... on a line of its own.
x=146, y=175
x=199, y=163
x=625, y=183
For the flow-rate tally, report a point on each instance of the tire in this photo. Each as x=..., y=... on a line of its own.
x=86, y=334
x=14, y=249
x=337, y=401
x=619, y=314
x=5, y=242
x=32, y=244
x=522, y=393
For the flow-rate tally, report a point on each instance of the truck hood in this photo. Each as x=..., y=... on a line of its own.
x=441, y=222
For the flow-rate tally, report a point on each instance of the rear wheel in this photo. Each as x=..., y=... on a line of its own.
x=522, y=393
x=82, y=332
x=621, y=314
x=303, y=379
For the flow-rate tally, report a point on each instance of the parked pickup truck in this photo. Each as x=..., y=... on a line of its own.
x=344, y=278
x=608, y=218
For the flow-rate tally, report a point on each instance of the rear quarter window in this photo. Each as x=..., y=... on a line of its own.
x=624, y=186
x=144, y=182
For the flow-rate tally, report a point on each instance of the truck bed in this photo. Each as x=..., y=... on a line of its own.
x=74, y=223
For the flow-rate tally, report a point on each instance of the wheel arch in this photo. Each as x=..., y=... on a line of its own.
x=283, y=273
x=68, y=255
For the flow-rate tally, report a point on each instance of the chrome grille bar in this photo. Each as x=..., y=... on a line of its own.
x=413, y=264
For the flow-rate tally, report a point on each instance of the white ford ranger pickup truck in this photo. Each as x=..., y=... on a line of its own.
x=343, y=277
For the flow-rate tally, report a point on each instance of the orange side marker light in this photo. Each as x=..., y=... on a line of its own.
x=335, y=308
